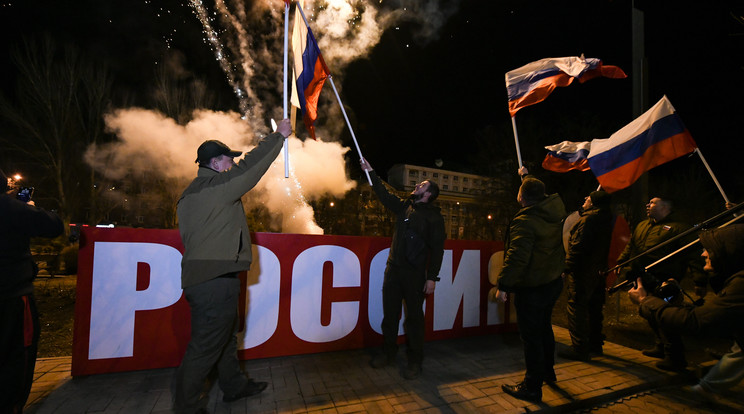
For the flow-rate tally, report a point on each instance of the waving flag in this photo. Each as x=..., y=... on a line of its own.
x=310, y=72
x=533, y=82
x=567, y=156
x=656, y=137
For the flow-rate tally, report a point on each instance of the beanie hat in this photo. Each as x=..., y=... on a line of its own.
x=213, y=148
x=600, y=198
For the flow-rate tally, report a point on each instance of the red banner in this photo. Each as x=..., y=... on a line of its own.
x=304, y=294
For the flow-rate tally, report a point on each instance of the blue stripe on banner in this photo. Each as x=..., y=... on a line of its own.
x=634, y=148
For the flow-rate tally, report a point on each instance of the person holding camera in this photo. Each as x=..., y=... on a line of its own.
x=412, y=268
x=19, y=329
x=721, y=316
x=217, y=246
x=533, y=264
x=660, y=226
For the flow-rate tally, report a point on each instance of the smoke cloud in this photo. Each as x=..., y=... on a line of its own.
x=246, y=44
x=155, y=144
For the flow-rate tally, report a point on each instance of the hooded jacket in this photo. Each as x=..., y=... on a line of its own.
x=534, y=251
x=418, y=240
x=211, y=218
x=723, y=315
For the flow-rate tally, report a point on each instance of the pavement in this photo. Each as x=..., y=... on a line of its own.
x=462, y=375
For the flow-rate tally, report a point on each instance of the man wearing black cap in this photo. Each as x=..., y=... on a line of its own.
x=217, y=246
x=660, y=226
x=586, y=257
x=19, y=319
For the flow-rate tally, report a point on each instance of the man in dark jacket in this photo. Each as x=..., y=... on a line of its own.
x=19, y=318
x=533, y=263
x=217, y=246
x=721, y=316
x=660, y=226
x=412, y=269
x=586, y=257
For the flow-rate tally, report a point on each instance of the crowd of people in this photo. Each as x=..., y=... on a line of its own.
x=655, y=259
x=217, y=243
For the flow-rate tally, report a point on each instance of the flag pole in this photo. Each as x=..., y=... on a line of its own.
x=340, y=104
x=516, y=141
x=286, y=52
x=348, y=124
x=713, y=176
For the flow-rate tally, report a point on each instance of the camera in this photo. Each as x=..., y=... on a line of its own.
x=25, y=193
x=670, y=291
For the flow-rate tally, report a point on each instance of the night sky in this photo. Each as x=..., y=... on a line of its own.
x=415, y=100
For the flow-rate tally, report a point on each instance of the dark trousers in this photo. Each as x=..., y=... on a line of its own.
x=214, y=316
x=586, y=297
x=534, y=310
x=19, y=341
x=403, y=285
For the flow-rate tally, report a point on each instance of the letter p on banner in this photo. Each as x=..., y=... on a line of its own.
x=115, y=298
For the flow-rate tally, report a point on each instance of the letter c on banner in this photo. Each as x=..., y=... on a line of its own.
x=115, y=298
x=307, y=292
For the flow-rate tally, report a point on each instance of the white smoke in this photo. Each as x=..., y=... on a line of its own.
x=151, y=142
x=248, y=47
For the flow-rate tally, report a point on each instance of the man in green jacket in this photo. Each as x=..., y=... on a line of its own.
x=660, y=226
x=533, y=263
x=412, y=269
x=217, y=246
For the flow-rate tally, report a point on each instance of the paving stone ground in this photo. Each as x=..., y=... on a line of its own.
x=462, y=375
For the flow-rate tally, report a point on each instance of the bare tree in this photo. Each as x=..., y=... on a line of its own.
x=57, y=113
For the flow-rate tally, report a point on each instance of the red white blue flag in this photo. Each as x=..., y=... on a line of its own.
x=567, y=156
x=533, y=82
x=310, y=72
x=656, y=137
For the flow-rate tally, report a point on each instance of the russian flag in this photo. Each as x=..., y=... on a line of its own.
x=533, y=82
x=310, y=72
x=567, y=156
x=656, y=137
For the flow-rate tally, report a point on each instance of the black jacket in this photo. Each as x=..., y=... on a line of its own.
x=418, y=240
x=18, y=223
x=589, y=242
x=723, y=315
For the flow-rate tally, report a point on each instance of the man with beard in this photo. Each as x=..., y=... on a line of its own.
x=721, y=316
x=412, y=268
x=533, y=263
